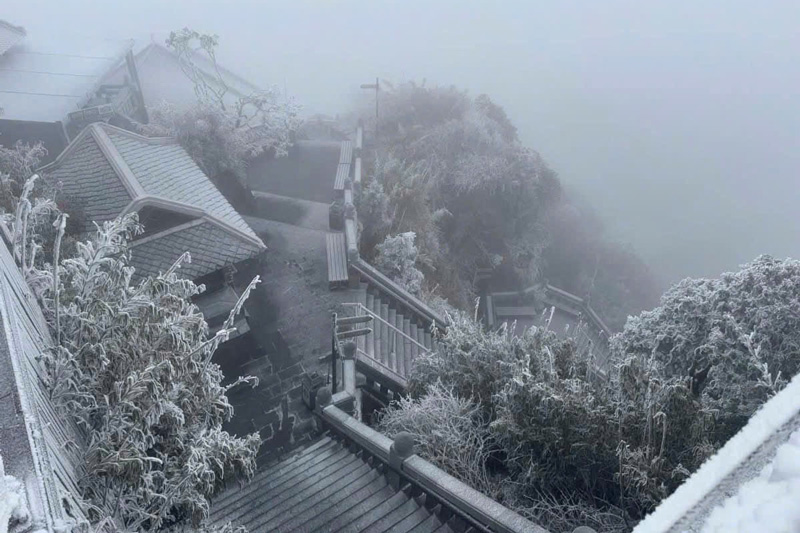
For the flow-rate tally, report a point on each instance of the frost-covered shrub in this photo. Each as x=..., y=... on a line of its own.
x=132, y=364
x=470, y=361
x=736, y=338
x=373, y=214
x=397, y=258
x=17, y=164
x=449, y=431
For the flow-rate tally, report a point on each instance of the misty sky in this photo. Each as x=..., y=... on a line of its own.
x=679, y=121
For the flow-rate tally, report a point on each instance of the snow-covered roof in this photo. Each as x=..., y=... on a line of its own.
x=111, y=171
x=10, y=35
x=40, y=447
x=43, y=79
x=743, y=458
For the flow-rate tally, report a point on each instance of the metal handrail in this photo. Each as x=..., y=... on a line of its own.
x=362, y=307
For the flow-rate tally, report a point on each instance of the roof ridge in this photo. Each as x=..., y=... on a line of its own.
x=160, y=140
x=116, y=160
x=19, y=29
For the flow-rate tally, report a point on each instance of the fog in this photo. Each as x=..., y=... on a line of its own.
x=677, y=121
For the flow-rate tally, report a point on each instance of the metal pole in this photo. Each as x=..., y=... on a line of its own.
x=377, y=89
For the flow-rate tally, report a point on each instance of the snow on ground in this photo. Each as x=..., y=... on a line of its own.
x=770, y=502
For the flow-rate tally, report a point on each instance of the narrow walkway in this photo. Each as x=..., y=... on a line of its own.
x=290, y=312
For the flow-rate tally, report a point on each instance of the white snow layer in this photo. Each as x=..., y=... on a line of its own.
x=773, y=415
x=770, y=502
x=12, y=502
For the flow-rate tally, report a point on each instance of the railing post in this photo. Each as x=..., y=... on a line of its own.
x=349, y=367
x=323, y=399
x=402, y=448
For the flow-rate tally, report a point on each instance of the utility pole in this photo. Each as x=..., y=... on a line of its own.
x=377, y=87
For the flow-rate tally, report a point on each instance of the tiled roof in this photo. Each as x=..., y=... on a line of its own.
x=210, y=246
x=44, y=78
x=325, y=487
x=166, y=170
x=9, y=35
x=88, y=175
x=40, y=447
x=110, y=171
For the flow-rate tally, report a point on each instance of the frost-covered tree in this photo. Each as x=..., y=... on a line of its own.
x=397, y=258
x=224, y=129
x=132, y=363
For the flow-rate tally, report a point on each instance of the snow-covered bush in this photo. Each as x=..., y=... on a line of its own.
x=683, y=379
x=449, y=431
x=17, y=164
x=373, y=214
x=397, y=258
x=132, y=364
x=736, y=338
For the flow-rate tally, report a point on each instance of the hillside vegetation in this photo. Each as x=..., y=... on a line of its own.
x=525, y=419
x=450, y=168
